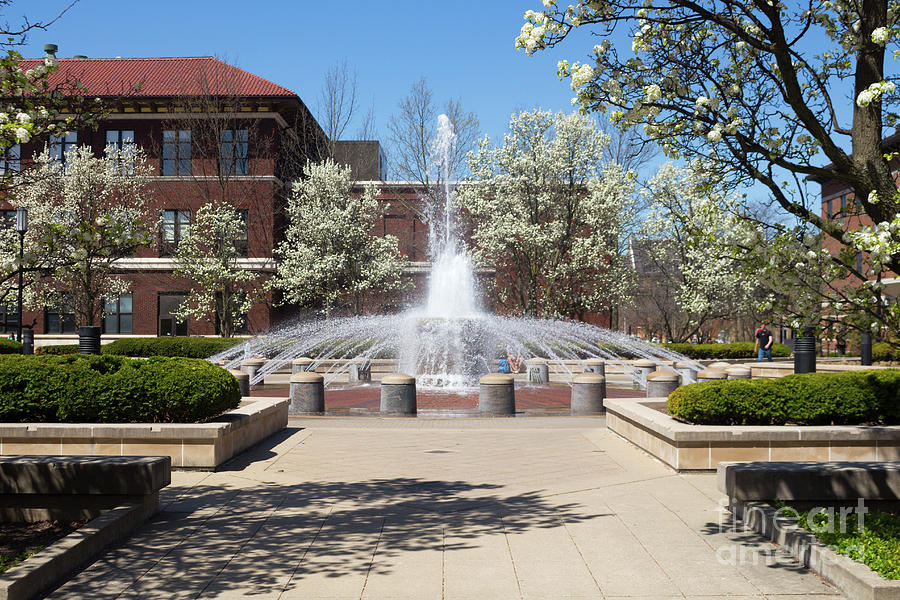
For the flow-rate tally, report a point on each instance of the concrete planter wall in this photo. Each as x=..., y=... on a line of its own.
x=686, y=447
x=190, y=445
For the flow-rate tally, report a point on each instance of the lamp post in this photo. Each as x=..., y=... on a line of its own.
x=21, y=228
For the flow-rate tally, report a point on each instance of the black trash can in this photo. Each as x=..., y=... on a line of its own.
x=28, y=341
x=805, y=352
x=89, y=339
x=865, y=349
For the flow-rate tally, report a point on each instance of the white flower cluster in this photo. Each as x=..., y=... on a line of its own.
x=881, y=36
x=874, y=93
x=582, y=74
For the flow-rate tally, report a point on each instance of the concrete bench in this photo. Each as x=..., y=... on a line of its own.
x=809, y=481
x=37, y=488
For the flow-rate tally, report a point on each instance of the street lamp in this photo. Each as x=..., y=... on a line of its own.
x=21, y=227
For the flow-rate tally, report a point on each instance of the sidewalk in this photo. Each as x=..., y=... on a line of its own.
x=443, y=508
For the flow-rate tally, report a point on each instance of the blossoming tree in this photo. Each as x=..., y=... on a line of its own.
x=547, y=213
x=83, y=217
x=758, y=89
x=210, y=258
x=329, y=258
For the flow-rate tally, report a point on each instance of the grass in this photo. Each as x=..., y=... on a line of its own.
x=876, y=544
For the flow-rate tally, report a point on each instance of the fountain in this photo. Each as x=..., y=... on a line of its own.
x=450, y=341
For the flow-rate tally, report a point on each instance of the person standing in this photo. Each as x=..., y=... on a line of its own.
x=764, y=341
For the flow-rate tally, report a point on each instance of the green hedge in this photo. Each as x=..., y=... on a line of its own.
x=10, y=346
x=57, y=350
x=190, y=347
x=848, y=398
x=882, y=351
x=113, y=389
x=724, y=351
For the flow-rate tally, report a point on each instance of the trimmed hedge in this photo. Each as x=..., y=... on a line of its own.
x=113, y=389
x=724, y=351
x=57, y=350
x=10, y=346
x=882, y=351
x=848, y=398
x=190, y=347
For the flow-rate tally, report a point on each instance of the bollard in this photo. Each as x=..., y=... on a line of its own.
x=243, y=381
x=865, y=349
x=496, y=395
x=588, y=392
x=661, y=384
x=720, y=365
x=596, y=366
x=805, y=352
x=642, y=368
x=28, y=341
x=688, y=373
x=361, y=372
x=307, y=394
x=251, y=365
x=88, y=339
x=711, y=375
x=301, y=365
x=738, y=372
x=398, y=395
x=538, y=372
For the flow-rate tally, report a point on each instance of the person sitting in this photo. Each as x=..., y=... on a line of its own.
x=516, y=363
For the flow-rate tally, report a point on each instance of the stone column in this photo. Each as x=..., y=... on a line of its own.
x=497, y=395
x=398, y=395
x=299, y=365
x=243, y=381
x=642, y=368
x=588, y=392
x=661, y=384
x=538, y=371
x=688, y=373
x=596, y=366
x=251, y=365
x=360, y=372
x=738, y=372
x=720, y=365
x=711, y=375
x=307, y=394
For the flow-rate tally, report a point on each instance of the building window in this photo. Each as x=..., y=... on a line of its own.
x=123, y=141
x=828, y=213
x=176, y=158
x=118, y=315
x=242, y=244
x=169, y=323
x=61, y=145
x=60, y=319
x=233, y=152
x=176, y=225
x=10, y=160
x=9, y=318
x=859, y=265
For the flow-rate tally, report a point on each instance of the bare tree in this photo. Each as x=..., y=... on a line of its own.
x=413, y=128
x=338, y=102
x=627, y=147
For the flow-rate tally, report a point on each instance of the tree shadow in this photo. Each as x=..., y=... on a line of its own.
x=265, y=537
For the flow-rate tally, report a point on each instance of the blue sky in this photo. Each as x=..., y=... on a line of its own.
x=465, y=48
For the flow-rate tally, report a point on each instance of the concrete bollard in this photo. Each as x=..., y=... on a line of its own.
x=243, y=381
x=720, y=365
x=738, y=372
x=497, y=395
x=538, y=371
x=596, y=366
x=361, y=372
x=398, y=395
x=687, y=372
x=642, y=368
x=588, y=392
x=302, y=364
x=307, y=394
x=661, y=384
x=251, y=365
x=711, y=375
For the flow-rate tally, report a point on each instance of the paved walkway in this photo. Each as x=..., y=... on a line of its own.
x=368, y=508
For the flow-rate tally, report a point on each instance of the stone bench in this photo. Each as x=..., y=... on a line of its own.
x=38, y=488
x=806, y=482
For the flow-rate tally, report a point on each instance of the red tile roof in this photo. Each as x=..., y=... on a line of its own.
x=161, y=77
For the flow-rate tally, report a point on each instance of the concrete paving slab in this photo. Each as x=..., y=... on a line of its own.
x=369, y=508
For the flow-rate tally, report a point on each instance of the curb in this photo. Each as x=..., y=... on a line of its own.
x=54, y=564
x=855, y=580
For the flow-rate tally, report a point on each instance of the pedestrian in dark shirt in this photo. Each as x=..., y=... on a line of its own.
x=764, y=341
